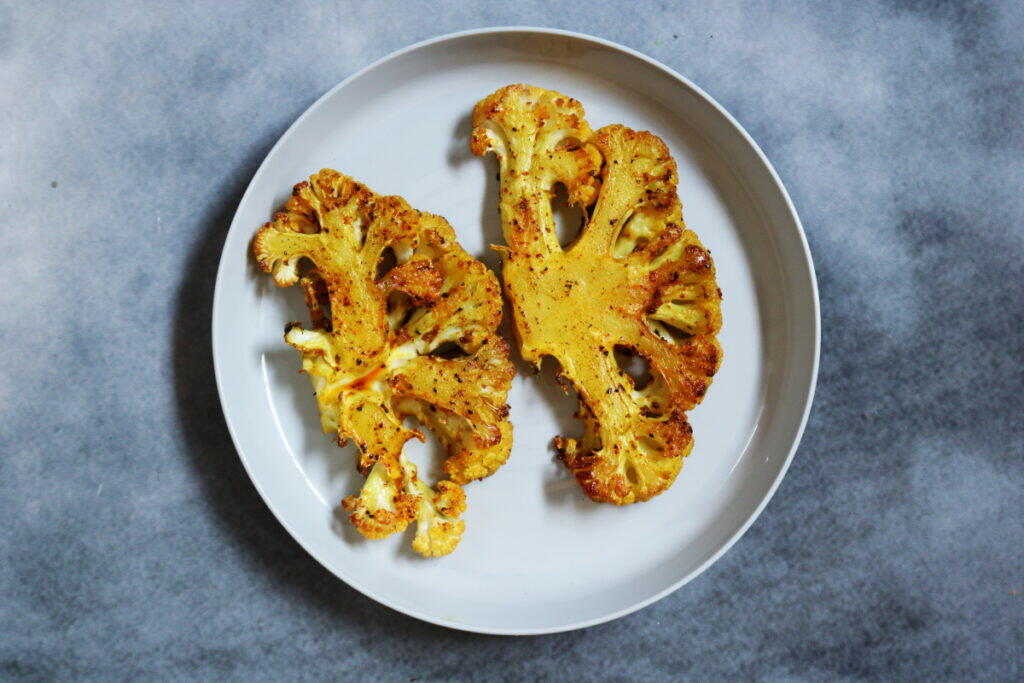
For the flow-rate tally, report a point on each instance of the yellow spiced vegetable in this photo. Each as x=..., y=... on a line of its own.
x=635, y=281
x=418, y=338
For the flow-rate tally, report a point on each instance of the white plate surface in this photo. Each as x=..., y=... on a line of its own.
x=537, y=556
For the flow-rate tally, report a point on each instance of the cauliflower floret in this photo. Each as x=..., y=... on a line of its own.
x=438, y=527
x=382, y=506
x=393, y=495
x=373, y=351
x=540, y=139
x=635, y=280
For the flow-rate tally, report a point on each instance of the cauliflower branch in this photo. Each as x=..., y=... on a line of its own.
x=393, y=495
x=417, y=339
x=635, y=280
x=438, y=527
x=383, y=505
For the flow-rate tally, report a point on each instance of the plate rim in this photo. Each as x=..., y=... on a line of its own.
x=810, y=389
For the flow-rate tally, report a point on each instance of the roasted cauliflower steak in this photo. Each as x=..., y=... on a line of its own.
x=634, y=281
x=417, y=339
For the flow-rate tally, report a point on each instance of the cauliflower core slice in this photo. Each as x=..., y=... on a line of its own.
x=418, y=339
x=634, y=279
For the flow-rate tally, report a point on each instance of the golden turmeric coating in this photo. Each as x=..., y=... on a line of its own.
x=635, y=280
x=419, y=339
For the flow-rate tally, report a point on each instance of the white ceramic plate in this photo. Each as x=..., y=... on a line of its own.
x=537, y=556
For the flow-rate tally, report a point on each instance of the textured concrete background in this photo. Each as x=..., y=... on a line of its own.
x=132, y=543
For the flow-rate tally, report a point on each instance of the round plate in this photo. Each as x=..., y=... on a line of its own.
x=537, y=556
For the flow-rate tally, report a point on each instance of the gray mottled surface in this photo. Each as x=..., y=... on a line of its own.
x=132, y=543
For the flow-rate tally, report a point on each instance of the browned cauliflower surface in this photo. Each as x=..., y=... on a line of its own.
x=635, y=281
x=416, y=339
